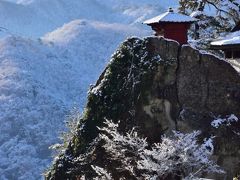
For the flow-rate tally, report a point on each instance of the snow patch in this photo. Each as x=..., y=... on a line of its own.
x=216, y=123
x=41, y=81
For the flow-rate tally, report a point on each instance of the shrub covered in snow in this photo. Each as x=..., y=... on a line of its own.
x=178, y=156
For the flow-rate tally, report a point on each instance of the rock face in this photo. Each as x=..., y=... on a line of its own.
x=158, y=86
x=205, y=83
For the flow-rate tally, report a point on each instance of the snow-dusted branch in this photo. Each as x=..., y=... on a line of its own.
x=102, y=173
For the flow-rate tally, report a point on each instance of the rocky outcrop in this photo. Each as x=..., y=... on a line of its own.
x=205, y=82
x=209, y=87
x=158, y=86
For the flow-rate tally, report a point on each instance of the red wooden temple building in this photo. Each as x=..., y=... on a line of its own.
x=171, y=25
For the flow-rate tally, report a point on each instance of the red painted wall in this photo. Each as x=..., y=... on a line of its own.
x=175, y=31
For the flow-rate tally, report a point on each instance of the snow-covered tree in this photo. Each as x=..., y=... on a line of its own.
x=223, y=8
x=216, y=16
x=177, y=157
x=66, y=136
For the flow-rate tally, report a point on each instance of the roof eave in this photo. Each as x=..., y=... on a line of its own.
x=225, y=46
x=159, y=22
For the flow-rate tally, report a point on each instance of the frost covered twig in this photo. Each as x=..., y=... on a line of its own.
x=102, y=173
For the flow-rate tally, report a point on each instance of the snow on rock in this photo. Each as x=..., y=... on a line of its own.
x=235, y=63
x=216, y=123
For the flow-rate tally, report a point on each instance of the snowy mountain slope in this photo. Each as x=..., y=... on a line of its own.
x=29, y=108
x=137, y=11
x=34, y=18
x=122, y=5
x=41, y=80
x=88, y=45
x=40, y=17
x=40, y=83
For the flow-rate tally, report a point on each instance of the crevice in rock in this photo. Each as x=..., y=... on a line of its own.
x=176, y=85
x=207, y=83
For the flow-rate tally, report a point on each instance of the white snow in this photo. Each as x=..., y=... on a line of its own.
x=216, y=123
x=196, y=13
x=34, y=18
x=182, y=151
x=42, y=79
x=170, y=17
x=235, y=63
x=37, y=17
x=231, y=38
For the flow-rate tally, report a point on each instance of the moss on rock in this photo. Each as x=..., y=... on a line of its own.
x=126, y=83
x=146, y=84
